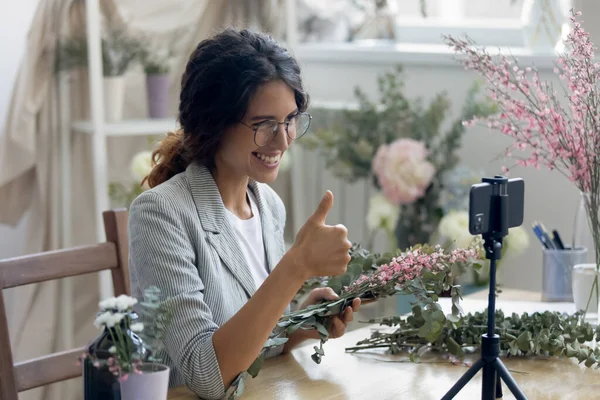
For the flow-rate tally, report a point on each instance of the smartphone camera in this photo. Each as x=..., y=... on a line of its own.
x=484, y=212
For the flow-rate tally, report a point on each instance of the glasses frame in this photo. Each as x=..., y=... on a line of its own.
x=276, y=126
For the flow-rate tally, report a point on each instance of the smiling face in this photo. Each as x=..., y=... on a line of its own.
x=239, y=155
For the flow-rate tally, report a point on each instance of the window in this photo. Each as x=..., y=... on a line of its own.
x=488, y=22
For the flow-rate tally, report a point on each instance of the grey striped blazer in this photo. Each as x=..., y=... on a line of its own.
x=181, y=241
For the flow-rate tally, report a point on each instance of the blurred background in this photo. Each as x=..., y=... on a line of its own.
x=88, y=87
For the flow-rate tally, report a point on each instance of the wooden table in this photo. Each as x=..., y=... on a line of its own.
x=375, y=375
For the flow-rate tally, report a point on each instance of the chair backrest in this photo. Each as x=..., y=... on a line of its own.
x=35, y=268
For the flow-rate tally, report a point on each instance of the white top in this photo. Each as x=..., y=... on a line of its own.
x=249, y=234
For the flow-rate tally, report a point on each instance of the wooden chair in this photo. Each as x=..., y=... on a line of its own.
x=51, y=265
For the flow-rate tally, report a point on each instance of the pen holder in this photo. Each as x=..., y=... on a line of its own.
x=557, y=273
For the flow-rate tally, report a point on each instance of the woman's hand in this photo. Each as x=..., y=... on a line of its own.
x=338, y=323
x=321, y=249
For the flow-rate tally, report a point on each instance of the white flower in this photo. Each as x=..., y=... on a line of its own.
x=112, y=350
x=382, y=213
x=137, y=327
x=114, y=319
x=141, y=165
x=121, y=303
x=102, y=319
x=108, y=304
x=516, y=241
x=455, y=226
x=124, y=302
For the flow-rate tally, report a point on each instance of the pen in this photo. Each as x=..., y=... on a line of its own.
x=547, y=236
x=538, y=232
x=558, y=240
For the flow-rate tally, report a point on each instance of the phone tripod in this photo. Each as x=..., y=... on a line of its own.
x=494, y=371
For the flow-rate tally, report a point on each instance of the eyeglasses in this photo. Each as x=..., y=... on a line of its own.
x=295, y=128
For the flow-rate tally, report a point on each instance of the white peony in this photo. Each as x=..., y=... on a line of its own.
x=141, y=165
x=137, y=327
x=382, y=213
x=114, y=319
x=516, y=241
x=455, y=226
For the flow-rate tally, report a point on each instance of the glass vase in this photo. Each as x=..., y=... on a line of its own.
x=98, y=382
x=586, y=234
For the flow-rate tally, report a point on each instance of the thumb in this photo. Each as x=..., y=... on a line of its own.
x=323, y=208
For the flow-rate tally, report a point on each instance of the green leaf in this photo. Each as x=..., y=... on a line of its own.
x=453, y=318
x=335, y=283
x=523, y=341
x=322, y=330
x=292, y=328
x=454, y=347
x=256, y=366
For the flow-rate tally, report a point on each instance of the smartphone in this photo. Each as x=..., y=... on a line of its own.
x=483, y=218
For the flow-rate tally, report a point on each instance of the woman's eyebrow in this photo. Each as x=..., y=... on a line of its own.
x=263, y=117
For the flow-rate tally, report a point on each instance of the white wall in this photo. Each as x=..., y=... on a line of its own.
x=15, y=19
x=550, y=197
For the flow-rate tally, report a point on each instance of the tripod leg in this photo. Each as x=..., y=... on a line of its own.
x=463, y=380
x=508, y=379
x=498, y=386
x=488, y=387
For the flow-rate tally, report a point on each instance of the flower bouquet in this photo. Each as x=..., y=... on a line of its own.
x=563, y=136
x=122, y=362
x=399, y=146
x=423, y=271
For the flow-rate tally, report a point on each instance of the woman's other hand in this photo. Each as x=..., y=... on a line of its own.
x=338, y=323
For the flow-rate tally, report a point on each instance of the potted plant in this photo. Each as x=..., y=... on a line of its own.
x=155, y=57
x=119, y=50
x=123, y=361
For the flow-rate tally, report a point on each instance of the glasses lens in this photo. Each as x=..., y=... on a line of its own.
x=298, y=126
x=265, y=133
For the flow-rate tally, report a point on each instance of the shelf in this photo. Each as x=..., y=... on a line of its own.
x=130, y=127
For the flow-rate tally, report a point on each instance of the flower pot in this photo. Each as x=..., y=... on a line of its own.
x=151, y=384
x=157, y=86
x=542, y=24
x=583, y=281
x=98, y=381
x=114, y=94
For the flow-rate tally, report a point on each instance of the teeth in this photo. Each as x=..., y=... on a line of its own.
x=268, y=159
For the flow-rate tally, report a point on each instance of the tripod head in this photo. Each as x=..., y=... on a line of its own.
x=495, y=205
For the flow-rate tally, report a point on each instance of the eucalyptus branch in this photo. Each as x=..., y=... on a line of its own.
x=545, y=334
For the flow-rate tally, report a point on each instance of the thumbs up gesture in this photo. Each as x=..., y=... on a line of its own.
x=323, y=249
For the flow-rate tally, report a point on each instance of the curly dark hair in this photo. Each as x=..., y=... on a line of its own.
x=221, y=76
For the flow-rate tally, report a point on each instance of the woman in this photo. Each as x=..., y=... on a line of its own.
x=209, y=233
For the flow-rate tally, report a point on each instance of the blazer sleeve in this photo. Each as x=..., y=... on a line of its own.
x=162, y=255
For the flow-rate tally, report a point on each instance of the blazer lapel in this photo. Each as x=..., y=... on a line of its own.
x=220, y=232
x=270, y=229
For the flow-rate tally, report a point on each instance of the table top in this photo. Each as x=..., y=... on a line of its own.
x=378, y=375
